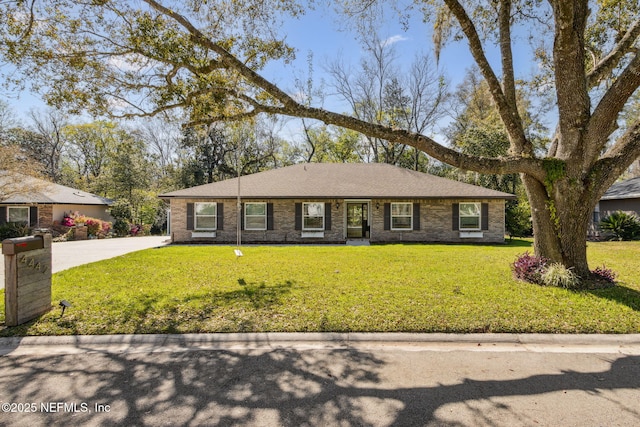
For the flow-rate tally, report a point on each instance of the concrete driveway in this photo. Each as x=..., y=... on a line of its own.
x=72, y=254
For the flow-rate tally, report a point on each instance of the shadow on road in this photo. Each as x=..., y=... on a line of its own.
x=269, y=387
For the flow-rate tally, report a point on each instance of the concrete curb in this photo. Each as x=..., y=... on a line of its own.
x=594, y=343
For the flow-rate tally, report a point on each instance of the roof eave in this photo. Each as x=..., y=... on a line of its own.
x=355, y=197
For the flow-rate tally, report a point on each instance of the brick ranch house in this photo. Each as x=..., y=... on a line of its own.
x=338, y=203
x=48, y=202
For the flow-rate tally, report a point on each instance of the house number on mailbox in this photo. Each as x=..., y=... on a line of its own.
x=32, y=264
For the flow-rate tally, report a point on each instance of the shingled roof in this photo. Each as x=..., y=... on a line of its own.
x=629, y=189
x=340, y=180
x=50, y=193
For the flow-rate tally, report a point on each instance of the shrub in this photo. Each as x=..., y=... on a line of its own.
x=121, y=209
x=605, y=274
x=67, y=221
x=121, y=227
x=518, y=219
x=11, y=230
x=98, y=228
x=622, y=225
x=529, y=267
x=560, y=276
x=140, y=230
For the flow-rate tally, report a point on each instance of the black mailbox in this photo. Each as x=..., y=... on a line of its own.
x=22, y=244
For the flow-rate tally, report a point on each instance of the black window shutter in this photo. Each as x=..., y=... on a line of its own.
x=241, y=216
x=327, y=216
x=484, y=216
x=416, y=216
x=455, y=216
x=387, y=216
x=270, y=216
x=220, y=216
x=3, y=214
x=33, y=216
x=189, y=216
x=298, y=223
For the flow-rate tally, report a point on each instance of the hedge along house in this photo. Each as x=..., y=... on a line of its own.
x=48, y=202
x=338, y=203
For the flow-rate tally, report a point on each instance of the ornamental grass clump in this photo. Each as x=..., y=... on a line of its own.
x=558, y=275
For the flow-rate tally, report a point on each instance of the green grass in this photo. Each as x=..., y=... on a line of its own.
x=408, y=288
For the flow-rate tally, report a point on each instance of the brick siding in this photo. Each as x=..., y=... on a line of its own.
x=435, y=222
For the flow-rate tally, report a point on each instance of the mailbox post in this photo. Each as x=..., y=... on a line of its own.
x=27, y=272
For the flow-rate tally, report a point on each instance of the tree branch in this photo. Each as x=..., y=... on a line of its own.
x=500, y=165
x=618, y=158
x=226, y=58
x=609, y=62
x=508, y=78
x=508, y=113
x=293, y=108
x=604, y=118
x=571, y=82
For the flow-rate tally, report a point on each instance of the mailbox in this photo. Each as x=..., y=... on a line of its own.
x=22, y=244
x=27, y=277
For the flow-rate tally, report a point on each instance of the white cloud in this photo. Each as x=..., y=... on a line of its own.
x=393, y=40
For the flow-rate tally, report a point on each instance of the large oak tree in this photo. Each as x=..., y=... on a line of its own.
x=144, y=57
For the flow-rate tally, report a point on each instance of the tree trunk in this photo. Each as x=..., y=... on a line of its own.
x=560, y=222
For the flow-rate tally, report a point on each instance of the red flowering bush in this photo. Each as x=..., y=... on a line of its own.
x=95, y=227
x=67, y=221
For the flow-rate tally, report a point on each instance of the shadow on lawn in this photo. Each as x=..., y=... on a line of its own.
x=151, y=313
x=620, y=294
x=258, y=294
x=292, y=388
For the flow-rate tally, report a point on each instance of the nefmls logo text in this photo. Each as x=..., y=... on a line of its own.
x=64, y=407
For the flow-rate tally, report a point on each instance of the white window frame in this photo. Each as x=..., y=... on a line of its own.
x=246, y=223
x=10, y=208
x=410, y=216
x=305, y=216
x=478, y=207
x=196, y=216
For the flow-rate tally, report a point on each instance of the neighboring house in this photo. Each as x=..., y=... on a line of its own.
x=338, y=203
x=49, y=202
x=622, y=196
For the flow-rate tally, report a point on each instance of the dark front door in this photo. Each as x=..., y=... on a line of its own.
x=357, y=220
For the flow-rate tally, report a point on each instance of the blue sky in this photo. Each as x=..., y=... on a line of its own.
x=318, y=32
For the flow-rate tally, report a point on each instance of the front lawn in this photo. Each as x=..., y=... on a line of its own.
x=404, y=288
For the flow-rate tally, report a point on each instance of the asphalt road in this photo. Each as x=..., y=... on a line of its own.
x=65, y=255
x=154, y=381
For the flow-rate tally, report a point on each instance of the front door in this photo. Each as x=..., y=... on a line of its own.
x=357, y=220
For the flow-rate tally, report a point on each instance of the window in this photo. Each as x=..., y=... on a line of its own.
x=205, y=216
x=18, y=214
x=469, y=216
x=313, y=216
x=255, y=216
x=401, y=216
